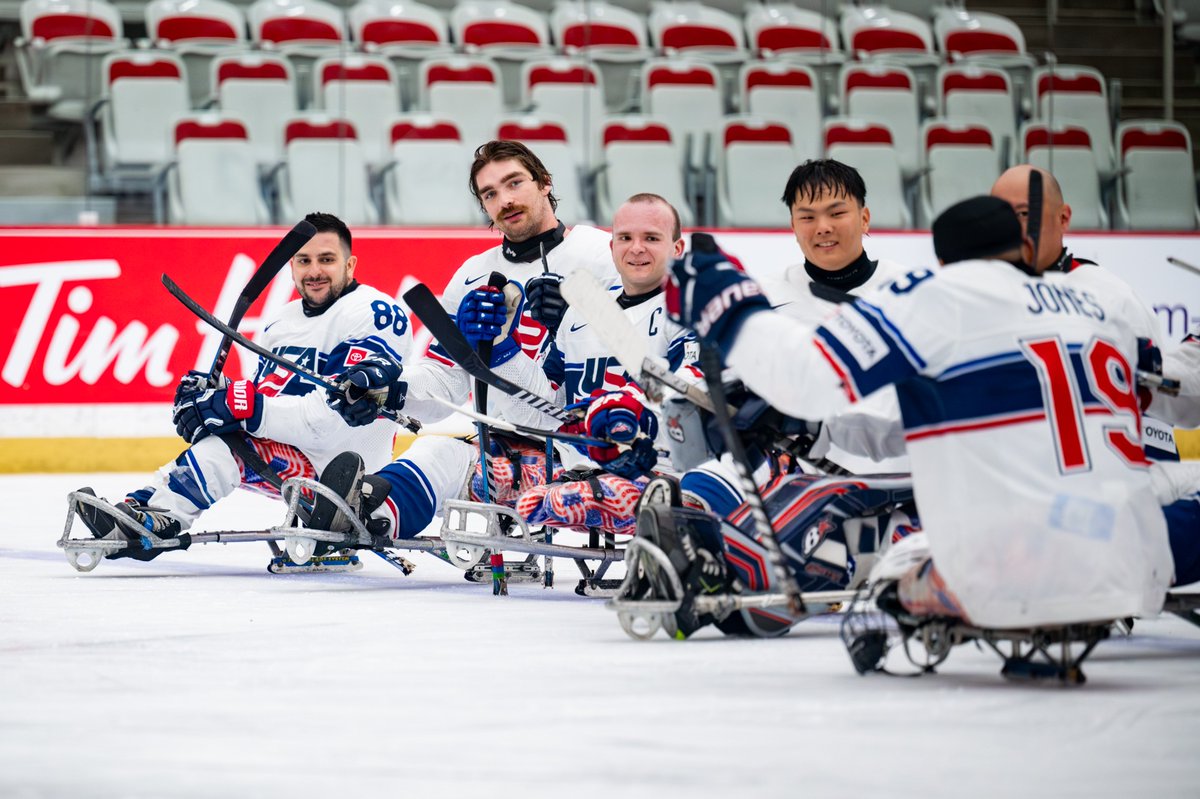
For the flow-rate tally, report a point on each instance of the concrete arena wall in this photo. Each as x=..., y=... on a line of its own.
x=92, y=346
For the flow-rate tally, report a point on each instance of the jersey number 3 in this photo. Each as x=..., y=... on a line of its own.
x=1110, y=379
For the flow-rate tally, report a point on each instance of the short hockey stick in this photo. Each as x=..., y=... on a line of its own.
x=711, y=364
x=484, y=350
x=422, y=302
x=278, y=258
x=263, y=352
x=482, y=419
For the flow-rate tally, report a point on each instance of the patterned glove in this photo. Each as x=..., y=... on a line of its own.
x=200, y=411
x=622, y=416
x=491, y=314
x=543, y=294
x=369, y=389
x=710, y=293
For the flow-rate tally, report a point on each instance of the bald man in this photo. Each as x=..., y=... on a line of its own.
x=1013, y=188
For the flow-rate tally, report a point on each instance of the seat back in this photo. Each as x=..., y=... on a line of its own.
x=687, y=94
x=147, y=92
x=326, y=170
x=1159, y=192
x=573, y=92
x=872, y=31
x=389, y=26
x=197, y=30
x=175, y=22
x=640, y=153
x=1073, y=95
x=612, y=37
x=869, y=148
x=972, y=92
x=752, y=152
x=425, y=149
x=1066, y=152
x=363, y=90
x=962, y=160
x=550, y=140
x=216, y=177
x=258, y=89
x=466, y=90
x=888, y=95
x=694, y=30
x=68, y=42
x=963, y=34
x=598, y=29
x=785, y=31
x=297, y=25
x=487, y=26
x=789, y=93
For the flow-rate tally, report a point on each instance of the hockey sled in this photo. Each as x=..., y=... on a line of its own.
x=85, y=554
x=641, y=619
x=877, y=621
x=473, y=531
x=1185, y=606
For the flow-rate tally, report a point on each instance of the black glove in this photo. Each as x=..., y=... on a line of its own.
x=369, y=389
x=543, y=294
x=201, y=411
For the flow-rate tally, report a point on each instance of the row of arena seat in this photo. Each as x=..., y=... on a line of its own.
x=58, y=34
x=214, y=177
x=146, y=92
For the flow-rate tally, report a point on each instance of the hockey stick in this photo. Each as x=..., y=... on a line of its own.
x=422, y=302
x=484, y=350
x=711, y=364
x=195, y=307
x=1183, y=264
x=483, y=420
x=296, y=238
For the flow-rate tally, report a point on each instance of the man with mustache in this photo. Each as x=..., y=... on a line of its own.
x=337, y=323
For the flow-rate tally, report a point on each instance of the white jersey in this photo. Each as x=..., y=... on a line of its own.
x=436, y=375
x=867, y=437
x=580, y=363
x=1022, y=425
x=359, y=323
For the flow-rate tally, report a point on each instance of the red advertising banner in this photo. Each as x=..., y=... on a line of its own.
x=85, y=319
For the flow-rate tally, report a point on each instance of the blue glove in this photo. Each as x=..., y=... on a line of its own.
x=200, y=411
x=492, y=314
x=369, y=389
x=640, y=459
x=710, y=293
x=543, y=293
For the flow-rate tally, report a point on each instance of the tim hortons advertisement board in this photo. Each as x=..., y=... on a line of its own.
x=86, y=321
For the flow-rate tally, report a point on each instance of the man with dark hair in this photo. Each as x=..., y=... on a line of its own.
x=826, y=202
x=515, y=190
x=1019, y=409
x=337, y=323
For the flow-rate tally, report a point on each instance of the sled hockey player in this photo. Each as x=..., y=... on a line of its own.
x=827, y=205
x=1020, y=414
x=1177, y=484
x=296, y=430
x=597, y=490
x=515, y=190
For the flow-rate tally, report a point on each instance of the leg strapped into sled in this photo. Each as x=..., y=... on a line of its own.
x=503, y=530
x=128, y=538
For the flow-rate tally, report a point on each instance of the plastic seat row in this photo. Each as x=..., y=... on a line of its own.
x=57, y=35
x=213, y=179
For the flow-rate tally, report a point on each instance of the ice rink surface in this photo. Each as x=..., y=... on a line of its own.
x=201, y=675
